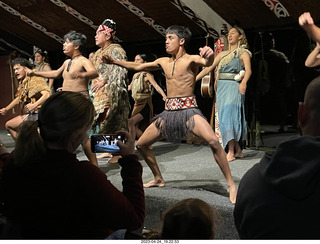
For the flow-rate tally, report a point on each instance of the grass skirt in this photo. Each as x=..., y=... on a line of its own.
x=173, y=125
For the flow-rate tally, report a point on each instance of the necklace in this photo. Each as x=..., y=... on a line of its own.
x=70, y=62
x=174, y=63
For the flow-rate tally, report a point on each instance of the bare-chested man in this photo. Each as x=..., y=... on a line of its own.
x=76, y=73
x=181, y=112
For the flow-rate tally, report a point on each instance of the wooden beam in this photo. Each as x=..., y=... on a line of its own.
x=203, y=16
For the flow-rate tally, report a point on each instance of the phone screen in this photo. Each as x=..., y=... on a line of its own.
x=106, y=143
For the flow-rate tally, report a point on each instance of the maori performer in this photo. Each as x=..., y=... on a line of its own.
x=142, y=85
x=233, y=73
x=76, y=73
x=181, y=113
x=40, y=58
x=111, y=100
x=32, y=93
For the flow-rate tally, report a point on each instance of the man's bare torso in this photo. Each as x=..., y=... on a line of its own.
x=180, y=76
x=70, y=81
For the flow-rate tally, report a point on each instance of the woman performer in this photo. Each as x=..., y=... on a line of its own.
x=142, y=90
x=41, y=65
x=231, y=88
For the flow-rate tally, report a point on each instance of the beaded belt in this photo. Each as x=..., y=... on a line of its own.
x=141, y=96
x=226, y=76
x=178, y=103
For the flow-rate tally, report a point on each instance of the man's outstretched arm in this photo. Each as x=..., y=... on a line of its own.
x=149, y=66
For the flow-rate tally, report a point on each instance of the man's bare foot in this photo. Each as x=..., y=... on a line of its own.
x=105, y=155
x=154, y=183
x=239, y=155
x=232, y=193
x=230, y=157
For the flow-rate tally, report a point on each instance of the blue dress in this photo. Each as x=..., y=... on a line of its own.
x=230, y=104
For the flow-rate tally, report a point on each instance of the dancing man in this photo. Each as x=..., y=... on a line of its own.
x=111, y=99
x=31, y=94
x=76, y=73
x=181, y=113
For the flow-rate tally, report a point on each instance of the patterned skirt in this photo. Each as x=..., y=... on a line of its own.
x=177, y=119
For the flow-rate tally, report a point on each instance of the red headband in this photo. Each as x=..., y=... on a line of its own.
x=104, y=29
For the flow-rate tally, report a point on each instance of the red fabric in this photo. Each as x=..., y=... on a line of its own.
x=178, y=103
x=218, y=46
x=62, y=198
x=104, y=29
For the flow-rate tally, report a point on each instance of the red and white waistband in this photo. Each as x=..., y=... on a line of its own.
x=178, y=103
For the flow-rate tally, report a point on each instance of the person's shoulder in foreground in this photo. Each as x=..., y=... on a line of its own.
x=284, y=202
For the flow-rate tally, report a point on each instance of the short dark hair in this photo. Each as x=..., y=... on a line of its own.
x=22, y=61
x=146, y=57
x=143, y=56
x=181, y=32
x=77, y=38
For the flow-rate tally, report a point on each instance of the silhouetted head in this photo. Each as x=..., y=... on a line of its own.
x=190, y=219
x=309, y=109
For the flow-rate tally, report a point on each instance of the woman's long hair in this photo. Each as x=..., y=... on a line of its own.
x=243, y=42
x=60, y=120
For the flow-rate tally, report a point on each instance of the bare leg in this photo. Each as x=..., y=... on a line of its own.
x=138, y=132
x=133, y=125
x=90, y=155
x=204, y=130
x=13, y=125
x=150, y=136
x=238, y=151
x=231, y=147
x=134, y=122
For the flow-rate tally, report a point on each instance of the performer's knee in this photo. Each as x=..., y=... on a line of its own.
x=8, y=125
x=214, y=143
